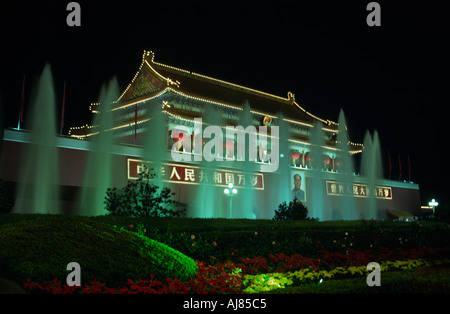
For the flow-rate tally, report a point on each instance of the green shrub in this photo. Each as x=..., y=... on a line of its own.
x=296, y=210
x=224, y=238
x=40, y=249
x=140, y=198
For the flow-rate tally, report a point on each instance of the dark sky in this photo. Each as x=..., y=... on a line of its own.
x=393, y=78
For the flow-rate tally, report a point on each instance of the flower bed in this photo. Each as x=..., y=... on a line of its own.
x=271, y=281
x=220, y=278
x=259, y=274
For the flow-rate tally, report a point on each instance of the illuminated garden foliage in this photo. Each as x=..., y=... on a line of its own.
x=141, y=198
x=40, y=248
x=295, y=210
x=240, y=277
x=119, y=254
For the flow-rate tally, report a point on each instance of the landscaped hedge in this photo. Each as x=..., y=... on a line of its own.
x=40, y=247
x=116, y=250
x=229, y=239
x=201, y=239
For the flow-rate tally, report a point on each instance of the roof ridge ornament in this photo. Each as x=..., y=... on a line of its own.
x=170, y=82
x=148, y=54
x=291, y=98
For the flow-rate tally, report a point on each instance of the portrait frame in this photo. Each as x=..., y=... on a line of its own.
x=293, y=173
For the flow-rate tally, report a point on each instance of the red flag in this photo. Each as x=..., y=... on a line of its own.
x=390, y=164
x=63, y=108
x=135, y=121
x=399, y=167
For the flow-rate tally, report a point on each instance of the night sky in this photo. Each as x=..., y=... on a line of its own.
x=393, y=78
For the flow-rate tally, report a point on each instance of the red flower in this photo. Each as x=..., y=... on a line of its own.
x=226, y=277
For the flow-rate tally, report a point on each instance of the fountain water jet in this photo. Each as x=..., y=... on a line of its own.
x=37, y=190
x=155, y=140
x=209, y=198
x=100, y=167
x=346, y=169
x=245, y=207
x=281, y=180
x=317, y=140
x=371, y=169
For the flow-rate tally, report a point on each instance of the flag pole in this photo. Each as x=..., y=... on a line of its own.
x=22, y=100
x=390, y=164
x=63, y=108
x=409, y=169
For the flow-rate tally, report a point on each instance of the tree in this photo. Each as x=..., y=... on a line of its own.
x=141, y=198
x=296, y=210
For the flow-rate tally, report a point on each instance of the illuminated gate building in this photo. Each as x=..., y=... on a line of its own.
x=162, y=116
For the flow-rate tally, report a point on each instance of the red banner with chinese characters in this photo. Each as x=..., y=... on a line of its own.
x=190, y=174
x=358, y=190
